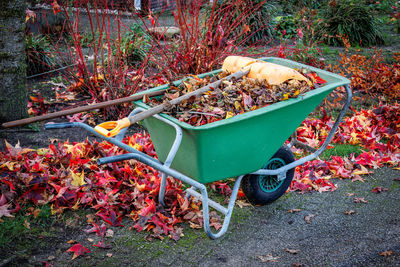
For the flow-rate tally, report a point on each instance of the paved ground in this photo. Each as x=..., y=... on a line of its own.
x=331, y=238
x=259, y=236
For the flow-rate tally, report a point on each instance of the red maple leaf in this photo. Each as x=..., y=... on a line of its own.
x=111, y=219
x=78, y=250
x=379, y=189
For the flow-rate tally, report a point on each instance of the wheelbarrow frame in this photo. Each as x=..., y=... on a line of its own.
x=197, y=189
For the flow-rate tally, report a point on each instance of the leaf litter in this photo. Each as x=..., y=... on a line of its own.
x=66, y=175
x=231, y=98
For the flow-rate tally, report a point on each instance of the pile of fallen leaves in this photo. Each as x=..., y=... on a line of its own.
x=232, y=98
x=377, y=131
x=66, y=176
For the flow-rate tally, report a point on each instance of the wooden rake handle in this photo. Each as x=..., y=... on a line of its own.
x=80, y=109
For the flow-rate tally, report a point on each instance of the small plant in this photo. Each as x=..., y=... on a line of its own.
x=135, y=46
x=292, y=6
x=349, y=19
x=251, y=17
x=39, y=55
x=286, y=26
x=308, y=54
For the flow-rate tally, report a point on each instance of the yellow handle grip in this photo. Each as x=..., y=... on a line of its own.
x=112, y=128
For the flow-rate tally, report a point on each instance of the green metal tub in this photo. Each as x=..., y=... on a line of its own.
x=241, y=144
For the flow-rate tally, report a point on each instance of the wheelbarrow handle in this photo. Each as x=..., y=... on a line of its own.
x=112, y=128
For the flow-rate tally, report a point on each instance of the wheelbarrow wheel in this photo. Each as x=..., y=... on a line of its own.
x=265, y=189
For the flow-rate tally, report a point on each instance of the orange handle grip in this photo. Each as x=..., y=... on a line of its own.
x=112, y=128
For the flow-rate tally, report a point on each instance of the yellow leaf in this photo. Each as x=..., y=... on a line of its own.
x=78, y=179
x=362, y=171
x=141, y=187
x=9, y=165
x=229, y=115
x=285, y=96
x=42, y=151
x=137, y=147
x=237, y=105
x=76, y=206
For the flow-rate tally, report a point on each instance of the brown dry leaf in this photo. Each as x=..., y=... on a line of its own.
x=291, y=251
x=50, y=258
x=90, y=240
x=242, y=203
x=36, y=213
x=71, y=241
x=294, y=210
x=386, y=253
x=349, y=212
x=308, y=218
x=109, y=233
x=357, y=178
x=298, y=264
x=360, y=200
x=268, y=258
x=195, y=226
x=350, y=194
x=361, y=171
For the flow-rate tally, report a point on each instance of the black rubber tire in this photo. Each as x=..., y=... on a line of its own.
x=251, y=183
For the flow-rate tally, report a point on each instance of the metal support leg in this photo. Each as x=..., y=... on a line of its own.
x=163, y=185
x=227, y=219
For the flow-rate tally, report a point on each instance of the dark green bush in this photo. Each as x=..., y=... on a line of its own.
x=292, y=6
x=348, y=19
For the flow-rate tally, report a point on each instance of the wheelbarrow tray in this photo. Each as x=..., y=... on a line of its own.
x=243, y=143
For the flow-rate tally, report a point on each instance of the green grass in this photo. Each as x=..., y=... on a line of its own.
x=15, y=234
x=341, y=150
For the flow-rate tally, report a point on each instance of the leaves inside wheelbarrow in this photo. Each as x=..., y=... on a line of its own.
x=233, y=97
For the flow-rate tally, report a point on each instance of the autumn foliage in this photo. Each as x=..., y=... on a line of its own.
x=67, y=177
x=371, y=75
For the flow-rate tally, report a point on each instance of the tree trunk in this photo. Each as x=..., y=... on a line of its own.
x=13, y=94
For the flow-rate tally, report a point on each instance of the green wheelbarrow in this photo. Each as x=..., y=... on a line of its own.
x=248, y=146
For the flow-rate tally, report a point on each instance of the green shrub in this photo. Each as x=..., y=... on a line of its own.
x=286, y=26
x=292, y=6
x=351, y=20
x=39, y=57
x=134, y=46
x=251, y=17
